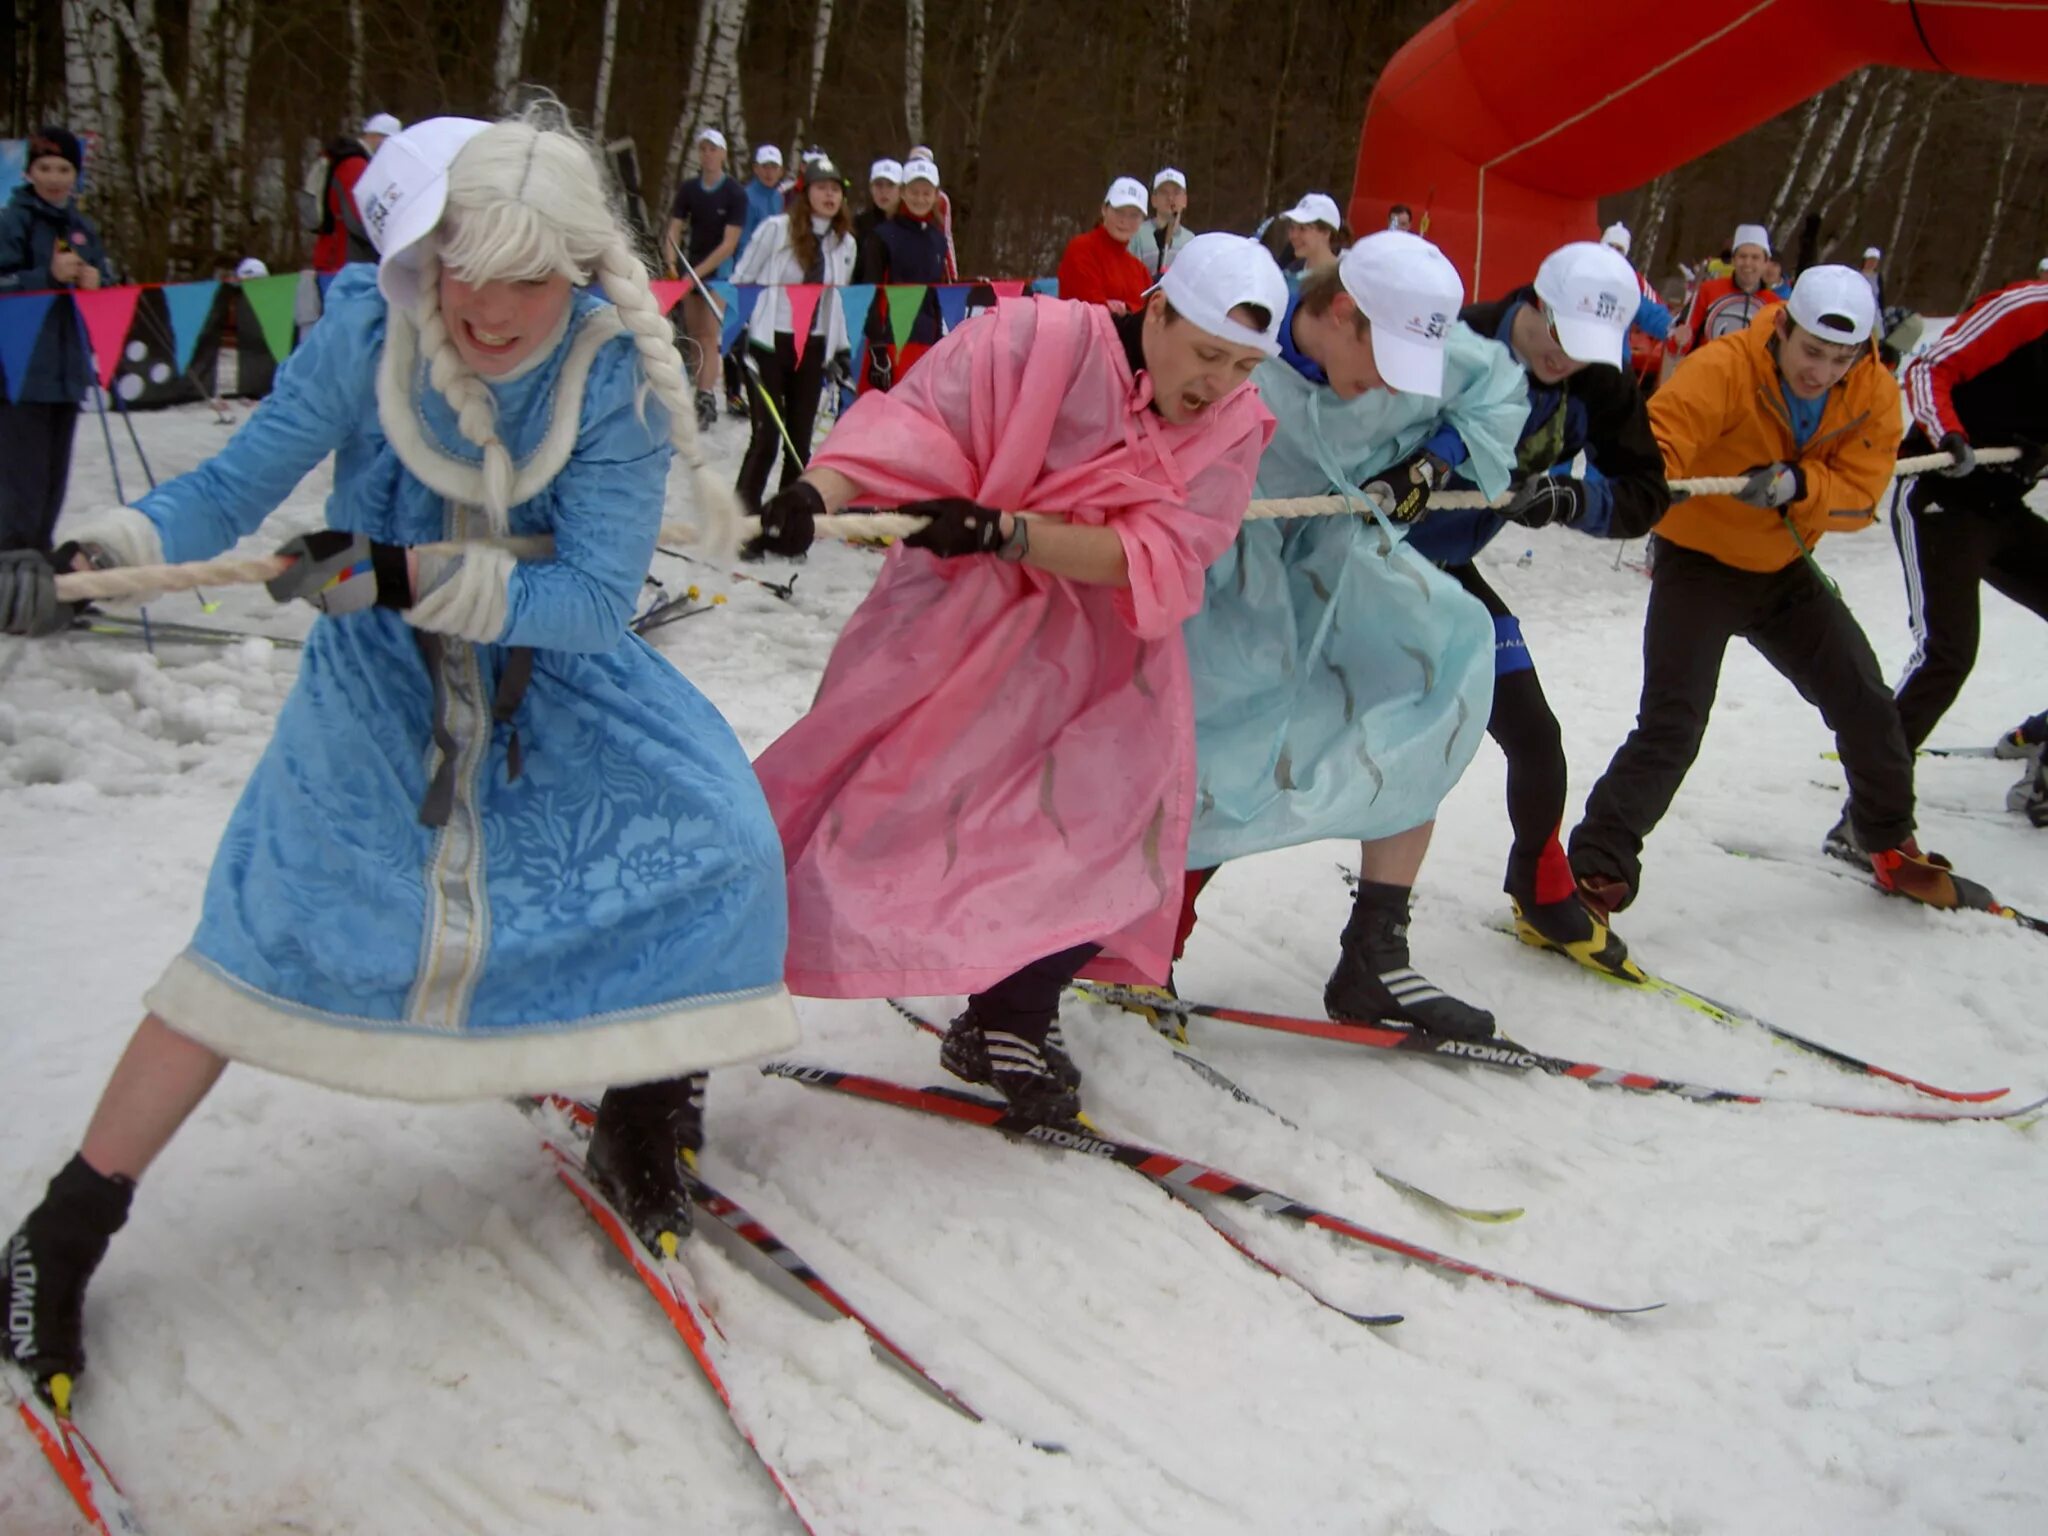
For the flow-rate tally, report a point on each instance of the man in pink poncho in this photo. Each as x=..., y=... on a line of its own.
x=994, y=784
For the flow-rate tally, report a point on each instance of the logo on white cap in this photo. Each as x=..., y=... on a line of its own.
x=1215, y=273
x=920, y=170
x=1751, y=234
x=401, y=194
x=1591, y=294
x=1316, y=208
x=1169, y=174
x=1410, y=292
x=1126, y=192
x=1834, y=303
x=886, y=170
x=767, y=154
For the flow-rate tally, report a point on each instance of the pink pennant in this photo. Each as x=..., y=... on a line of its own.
x=803, y=307
x=107, y=313
x=668, y=292
x=1008, y=287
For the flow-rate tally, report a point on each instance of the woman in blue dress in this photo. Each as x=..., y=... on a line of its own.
x=496, y=844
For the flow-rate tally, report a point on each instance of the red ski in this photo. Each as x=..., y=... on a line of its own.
x=71, y=1455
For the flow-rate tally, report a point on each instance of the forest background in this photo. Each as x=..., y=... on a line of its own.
x=210, y=111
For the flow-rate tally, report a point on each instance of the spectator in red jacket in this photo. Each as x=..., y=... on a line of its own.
x=339, y=237
x=1724, y=306
x=1098, y=267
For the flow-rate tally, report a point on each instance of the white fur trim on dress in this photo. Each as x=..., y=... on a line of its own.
x=126, y=534
x=457, y=479
x=471, y=600
x=384, y=1060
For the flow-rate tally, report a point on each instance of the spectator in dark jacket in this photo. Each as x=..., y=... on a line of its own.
x=885, y=191
x=45, y=243
x=908, y=247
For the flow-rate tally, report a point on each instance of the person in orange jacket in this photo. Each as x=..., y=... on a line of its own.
x=1098, y=267
x=1798, y=406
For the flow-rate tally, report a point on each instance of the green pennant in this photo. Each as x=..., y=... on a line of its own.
x=274, y=299
x=905, y=300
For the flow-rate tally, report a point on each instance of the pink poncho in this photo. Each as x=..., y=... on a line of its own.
x=1000, y=763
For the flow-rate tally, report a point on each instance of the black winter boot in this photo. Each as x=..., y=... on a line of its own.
x=643, y=1155
x=1374, y=981
x=48, y=1261
x=1036, y=1076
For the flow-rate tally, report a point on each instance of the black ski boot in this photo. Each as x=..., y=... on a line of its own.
x=1037, y=1077
x=1568, y=925
x=1374, y=981
x=643, y=1155
x=48, y=1261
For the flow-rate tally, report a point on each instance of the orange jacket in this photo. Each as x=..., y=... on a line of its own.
x=1097, y=267
x=1722, y=412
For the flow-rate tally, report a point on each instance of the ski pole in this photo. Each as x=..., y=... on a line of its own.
x=754, y=373
x=99, y=400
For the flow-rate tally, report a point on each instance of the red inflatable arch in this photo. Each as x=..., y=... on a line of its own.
x=1506, y=119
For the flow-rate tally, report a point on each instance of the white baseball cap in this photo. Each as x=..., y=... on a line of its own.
x=1169, y=174
x=1216, y=272
x=1126, y=192
x=920, y=170
x=712, y=137
x=401, y=194
x=1617, y=235
x=1316, y=208
x=1872, y=253
x=886, y=170
x=1834, y=303
x=384, y=123
x=1591, y=294
x=767, y=154
x=2042, y=269
x=250, y=267
x=1410, y=292
x=1751, y=234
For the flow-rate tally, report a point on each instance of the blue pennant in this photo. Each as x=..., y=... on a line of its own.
x=190, y=306
x=21, y=322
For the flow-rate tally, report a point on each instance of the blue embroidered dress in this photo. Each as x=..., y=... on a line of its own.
x=1342, y=682
x=610, y=912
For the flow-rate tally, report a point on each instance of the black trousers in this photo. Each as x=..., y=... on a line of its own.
x=1527, y=730
x=1026, y=1001
x=792, y=388
x=1952, y=535
x=1802, y=628
x=35, y=468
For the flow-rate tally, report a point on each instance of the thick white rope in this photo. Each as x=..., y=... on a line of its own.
x=141, y=582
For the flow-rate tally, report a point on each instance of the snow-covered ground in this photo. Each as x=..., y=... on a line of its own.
x=332, y=1315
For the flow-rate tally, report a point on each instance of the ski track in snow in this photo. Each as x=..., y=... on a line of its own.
x=331, y=1315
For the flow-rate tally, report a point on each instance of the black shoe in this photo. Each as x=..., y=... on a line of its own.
x=643, y=1156
x=1572, y=928
x=1840, y=843
x=707, y=410
x=1374, y=981
x=47, y=1263
x=1038, y=1080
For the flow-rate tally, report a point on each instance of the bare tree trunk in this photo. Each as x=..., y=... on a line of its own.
x=1810, y=187
x=1996, y=216
x=1872, y=145
x=231, y=205
x=913, y=69
x=356, y=109
x=1891, y=243
x=1273, y=127
x=194, y=165
x=607, y=49
x=1649, y=230
x=722, y=100
x=513, y=21
x=978, y=91
x=680, y=142
x=1174, y=110
x=1807, y=122
x=821, y=35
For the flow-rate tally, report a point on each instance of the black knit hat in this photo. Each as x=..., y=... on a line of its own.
x=50, y=139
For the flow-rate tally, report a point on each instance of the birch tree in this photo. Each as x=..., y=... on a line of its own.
x=91, y=93
x=680, y=142
x=1873, y=144
x=821, y=36
x=722, y=100
x=513, y=19
x=1174, y=110
x=230, y=126
x=607, y=48
x=1823, y=158
x=1912, y=165
x=1995, y=216
x=356, y=109
x=913, y=69
x=1808, y=120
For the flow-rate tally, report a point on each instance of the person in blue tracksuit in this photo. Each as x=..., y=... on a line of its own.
x=1568, y=332
x=497, y=844
x=1341, y=680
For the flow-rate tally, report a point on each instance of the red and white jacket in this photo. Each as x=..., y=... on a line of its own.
x=1987, y=377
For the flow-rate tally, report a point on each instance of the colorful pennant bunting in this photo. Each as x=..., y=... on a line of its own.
x=21, y=325
x=106, y=314
x=905, y=300
x=855, y=300
x=274, y=299
x=803, y=308
x=190, y=306
x=669, y=292
x=1008, y=287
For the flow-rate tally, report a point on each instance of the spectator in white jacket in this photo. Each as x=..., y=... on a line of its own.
x=811, y=247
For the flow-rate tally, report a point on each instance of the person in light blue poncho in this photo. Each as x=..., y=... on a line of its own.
x=1342, y=682
x=497, y=844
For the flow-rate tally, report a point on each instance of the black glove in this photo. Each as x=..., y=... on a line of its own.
x=1954, y=443
x=341, y=572
x=2032, y=463
x=958, y=527
x=789, y=522
x=1542, y=500
x=28, y=594
x=1773, y=485
x=1403, y=491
